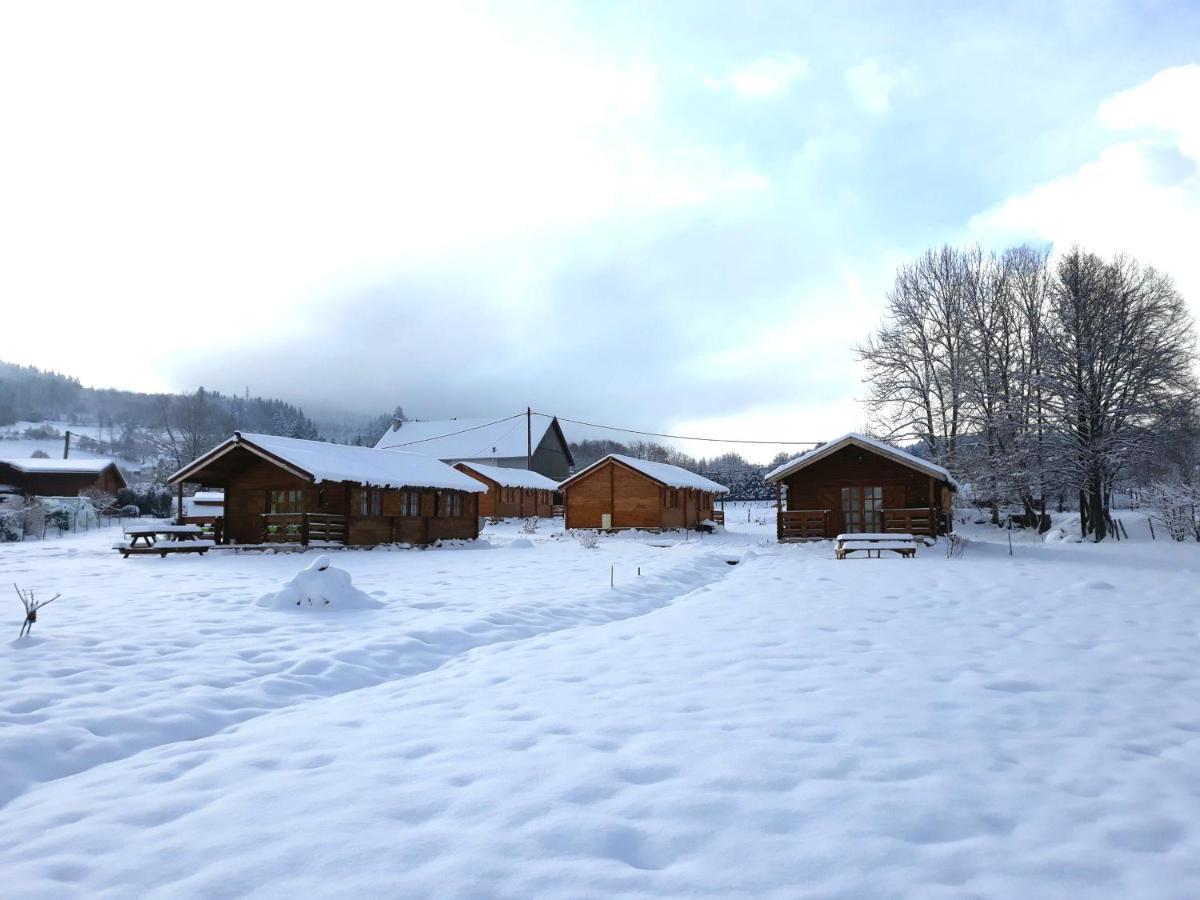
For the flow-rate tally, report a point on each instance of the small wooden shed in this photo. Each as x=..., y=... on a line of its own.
x=623, y=492
x=511, y=492
x=859, y=484
x=61, y=477
x=288, y=490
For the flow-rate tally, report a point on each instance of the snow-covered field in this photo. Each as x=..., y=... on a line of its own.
x=505, y=724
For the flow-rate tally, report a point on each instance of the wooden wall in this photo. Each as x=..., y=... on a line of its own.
x=247, y=498
x=819, y=486
x=634, y=501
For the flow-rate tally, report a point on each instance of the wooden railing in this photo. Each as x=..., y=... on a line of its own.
x=302, y=528
x=802, y=525
x=718, y=516
x=914, y=520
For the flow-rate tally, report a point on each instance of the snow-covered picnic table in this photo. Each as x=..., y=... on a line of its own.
x=874, y=542
x=176, y=539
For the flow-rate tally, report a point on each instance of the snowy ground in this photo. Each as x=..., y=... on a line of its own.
x=508, y=725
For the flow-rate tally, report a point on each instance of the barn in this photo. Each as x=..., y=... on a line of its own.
x=859, y=484
x=288, y=490
x=512, y=492
x=61, y=477
x=534, y=441
x=623, y=492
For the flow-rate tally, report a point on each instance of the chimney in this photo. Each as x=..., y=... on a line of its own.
x=396, y=423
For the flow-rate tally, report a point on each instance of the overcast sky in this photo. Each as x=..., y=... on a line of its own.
x=673, y=216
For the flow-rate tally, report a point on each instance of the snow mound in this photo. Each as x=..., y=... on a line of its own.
x=521, y=544
x=319, y=586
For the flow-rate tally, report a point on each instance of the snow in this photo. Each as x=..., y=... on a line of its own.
x=868, y=442
x=363, y=465
x=508, y=725
x=60, y=466
x=664, y=473
x=319, y=586
x=516, y=478
x=467, y=439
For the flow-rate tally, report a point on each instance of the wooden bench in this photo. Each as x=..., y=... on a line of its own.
x=874, y=544
x=144, y=540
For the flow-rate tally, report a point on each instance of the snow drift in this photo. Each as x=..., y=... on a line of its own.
x=319, y=586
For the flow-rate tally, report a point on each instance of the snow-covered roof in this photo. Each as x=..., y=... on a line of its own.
x=466, y=439
x=60, y=466
x=867, y=443
x=208, y=497
x=320, y=461
x=663, y=473
x=517, y=478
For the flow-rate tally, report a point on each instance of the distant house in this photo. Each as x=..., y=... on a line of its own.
x=504, y=444
x=512, y=492
x=288, y=490
x=624, y=492
x=858, y=484
x=61, y=477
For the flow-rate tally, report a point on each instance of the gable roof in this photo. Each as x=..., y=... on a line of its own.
x=317, y=461
x=866, y=443
x=664, y=473
x=517, y=478
x=60, y=466
x=465, y=439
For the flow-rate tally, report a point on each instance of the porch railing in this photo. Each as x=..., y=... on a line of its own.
x=913, y=520
x=718, y=516
x=303, y=528
x=802, y=524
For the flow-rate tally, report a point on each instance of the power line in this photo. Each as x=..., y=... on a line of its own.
x=452, y=433
x=681, y=437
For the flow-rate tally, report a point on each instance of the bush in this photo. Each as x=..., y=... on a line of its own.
x=529, y=526
x=588, y=540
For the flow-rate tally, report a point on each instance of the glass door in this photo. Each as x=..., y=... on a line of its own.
x=862, y=509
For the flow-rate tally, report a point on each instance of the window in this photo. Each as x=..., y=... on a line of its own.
x=286, y=501
x=370, y=502
x=410, y=503
x=449, y=505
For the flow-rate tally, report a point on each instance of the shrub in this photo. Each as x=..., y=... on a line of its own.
x=588, y=540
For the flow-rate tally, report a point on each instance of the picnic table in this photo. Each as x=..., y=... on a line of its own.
x=873, y=543
x=162, y=539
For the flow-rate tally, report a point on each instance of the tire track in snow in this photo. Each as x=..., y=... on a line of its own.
x=112, y=727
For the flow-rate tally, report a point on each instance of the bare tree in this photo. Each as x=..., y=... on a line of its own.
x=1117, y=354
x=915, y=361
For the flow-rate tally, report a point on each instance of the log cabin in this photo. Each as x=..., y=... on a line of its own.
x=859, y=484
x=536, y=442
x=288, y=490
x=61, y=477
x=512, y=493
x=619, y=492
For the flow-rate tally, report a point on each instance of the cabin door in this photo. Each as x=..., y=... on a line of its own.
x=862, y=509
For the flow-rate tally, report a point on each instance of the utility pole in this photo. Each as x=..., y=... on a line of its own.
x=528, y=438
x=66, y=445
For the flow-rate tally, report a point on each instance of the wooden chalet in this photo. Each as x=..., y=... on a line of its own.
x=512, y=492
x=619, y=492
x=287, y=490
x=859, y=484
x=61, y=477
x=535, y=442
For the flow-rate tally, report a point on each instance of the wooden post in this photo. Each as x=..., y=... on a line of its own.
x=933, y=529
x=66, y=445
x=179, y=516
x=778, y=512
x=528, y=438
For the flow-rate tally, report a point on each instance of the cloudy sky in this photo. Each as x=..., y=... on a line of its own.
x=672, y=216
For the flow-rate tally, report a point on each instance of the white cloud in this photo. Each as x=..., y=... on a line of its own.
x=1141, y=196
x=213, y=167
x=871, y=87
x=770, y=76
